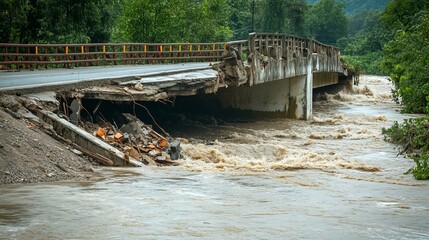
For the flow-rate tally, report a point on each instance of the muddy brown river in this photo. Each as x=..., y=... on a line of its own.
x=330, y=178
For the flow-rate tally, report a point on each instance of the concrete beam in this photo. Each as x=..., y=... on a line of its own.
x=85, y=140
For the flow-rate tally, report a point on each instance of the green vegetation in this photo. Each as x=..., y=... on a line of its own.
x=67, y=21
x=412, y=136
x=360, y=6
x=173, y=21
x=327, y=21
x=407, y=55
x=406, y=58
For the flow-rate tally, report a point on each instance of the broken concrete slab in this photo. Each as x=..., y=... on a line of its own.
x=85, y=140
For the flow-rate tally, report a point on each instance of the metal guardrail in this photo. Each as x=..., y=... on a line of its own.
x=28, y=56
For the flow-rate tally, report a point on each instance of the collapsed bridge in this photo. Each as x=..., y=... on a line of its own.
x=265, y=73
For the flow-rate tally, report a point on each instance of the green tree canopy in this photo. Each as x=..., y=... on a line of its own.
x=54, y=21
x=173, y=21
x=327, y=21
x=407, y=55
x=281, y=16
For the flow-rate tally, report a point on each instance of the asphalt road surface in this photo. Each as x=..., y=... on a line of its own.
x=56, y=77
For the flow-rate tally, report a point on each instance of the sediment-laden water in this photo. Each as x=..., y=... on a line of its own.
x=330, y=178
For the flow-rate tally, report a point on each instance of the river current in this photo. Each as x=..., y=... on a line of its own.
x=330, y=178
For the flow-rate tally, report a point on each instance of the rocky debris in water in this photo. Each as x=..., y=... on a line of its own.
x=139, y=141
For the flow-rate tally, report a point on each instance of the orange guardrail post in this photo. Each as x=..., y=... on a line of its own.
x=67, y=50
x=160, y=48
x=171, y=48
x=199, y=48
x=82, y=49
x=37, y=50
x=104, y=48
x=224, y=46
x=145, y=48
x=190, y=47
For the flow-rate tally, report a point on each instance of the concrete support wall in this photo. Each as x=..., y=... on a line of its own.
x=324, y=79
x=291, y=97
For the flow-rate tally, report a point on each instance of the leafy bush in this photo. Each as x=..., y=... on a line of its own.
x=421, y=170
x=412, y=135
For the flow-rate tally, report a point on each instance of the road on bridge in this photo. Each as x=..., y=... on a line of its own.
x=57, y=77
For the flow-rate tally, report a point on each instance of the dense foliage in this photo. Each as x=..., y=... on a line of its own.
x=406, y=58
x=360, y=6
x=52, y=21
x=412, y=136
x=364, y=44
x=173, y=21
x=407, y=55
x=327, y=21
x=83, y=21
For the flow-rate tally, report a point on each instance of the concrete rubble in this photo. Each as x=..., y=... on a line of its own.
x=133, y=144
x=139, y=141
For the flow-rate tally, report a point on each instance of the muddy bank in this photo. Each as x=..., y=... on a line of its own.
x=28, y=155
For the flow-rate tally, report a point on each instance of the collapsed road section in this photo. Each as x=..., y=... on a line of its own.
x=115, y=137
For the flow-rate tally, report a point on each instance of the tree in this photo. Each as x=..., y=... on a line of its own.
x=173, y=21
x=327, y=21
x=406, y=57
x=282, y=16
x=240, y=20
x=54, y=21
x=13, y=19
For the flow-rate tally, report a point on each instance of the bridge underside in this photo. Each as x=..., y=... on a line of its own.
x=291, y=97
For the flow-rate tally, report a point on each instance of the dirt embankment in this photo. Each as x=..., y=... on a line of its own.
x=28, y=155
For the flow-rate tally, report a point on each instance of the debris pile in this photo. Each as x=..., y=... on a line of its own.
x=140, y=142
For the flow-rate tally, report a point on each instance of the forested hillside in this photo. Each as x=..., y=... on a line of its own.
x=358, y=6
x=67, y=21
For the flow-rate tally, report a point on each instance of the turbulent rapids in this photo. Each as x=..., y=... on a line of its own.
x=342, y=126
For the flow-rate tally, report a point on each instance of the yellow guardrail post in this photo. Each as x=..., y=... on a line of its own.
x=180, y=48
x=37, y=50
x=82, y=49
x=190, y=48
x=145, y=48
x=124, y=49
x=104, y=48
